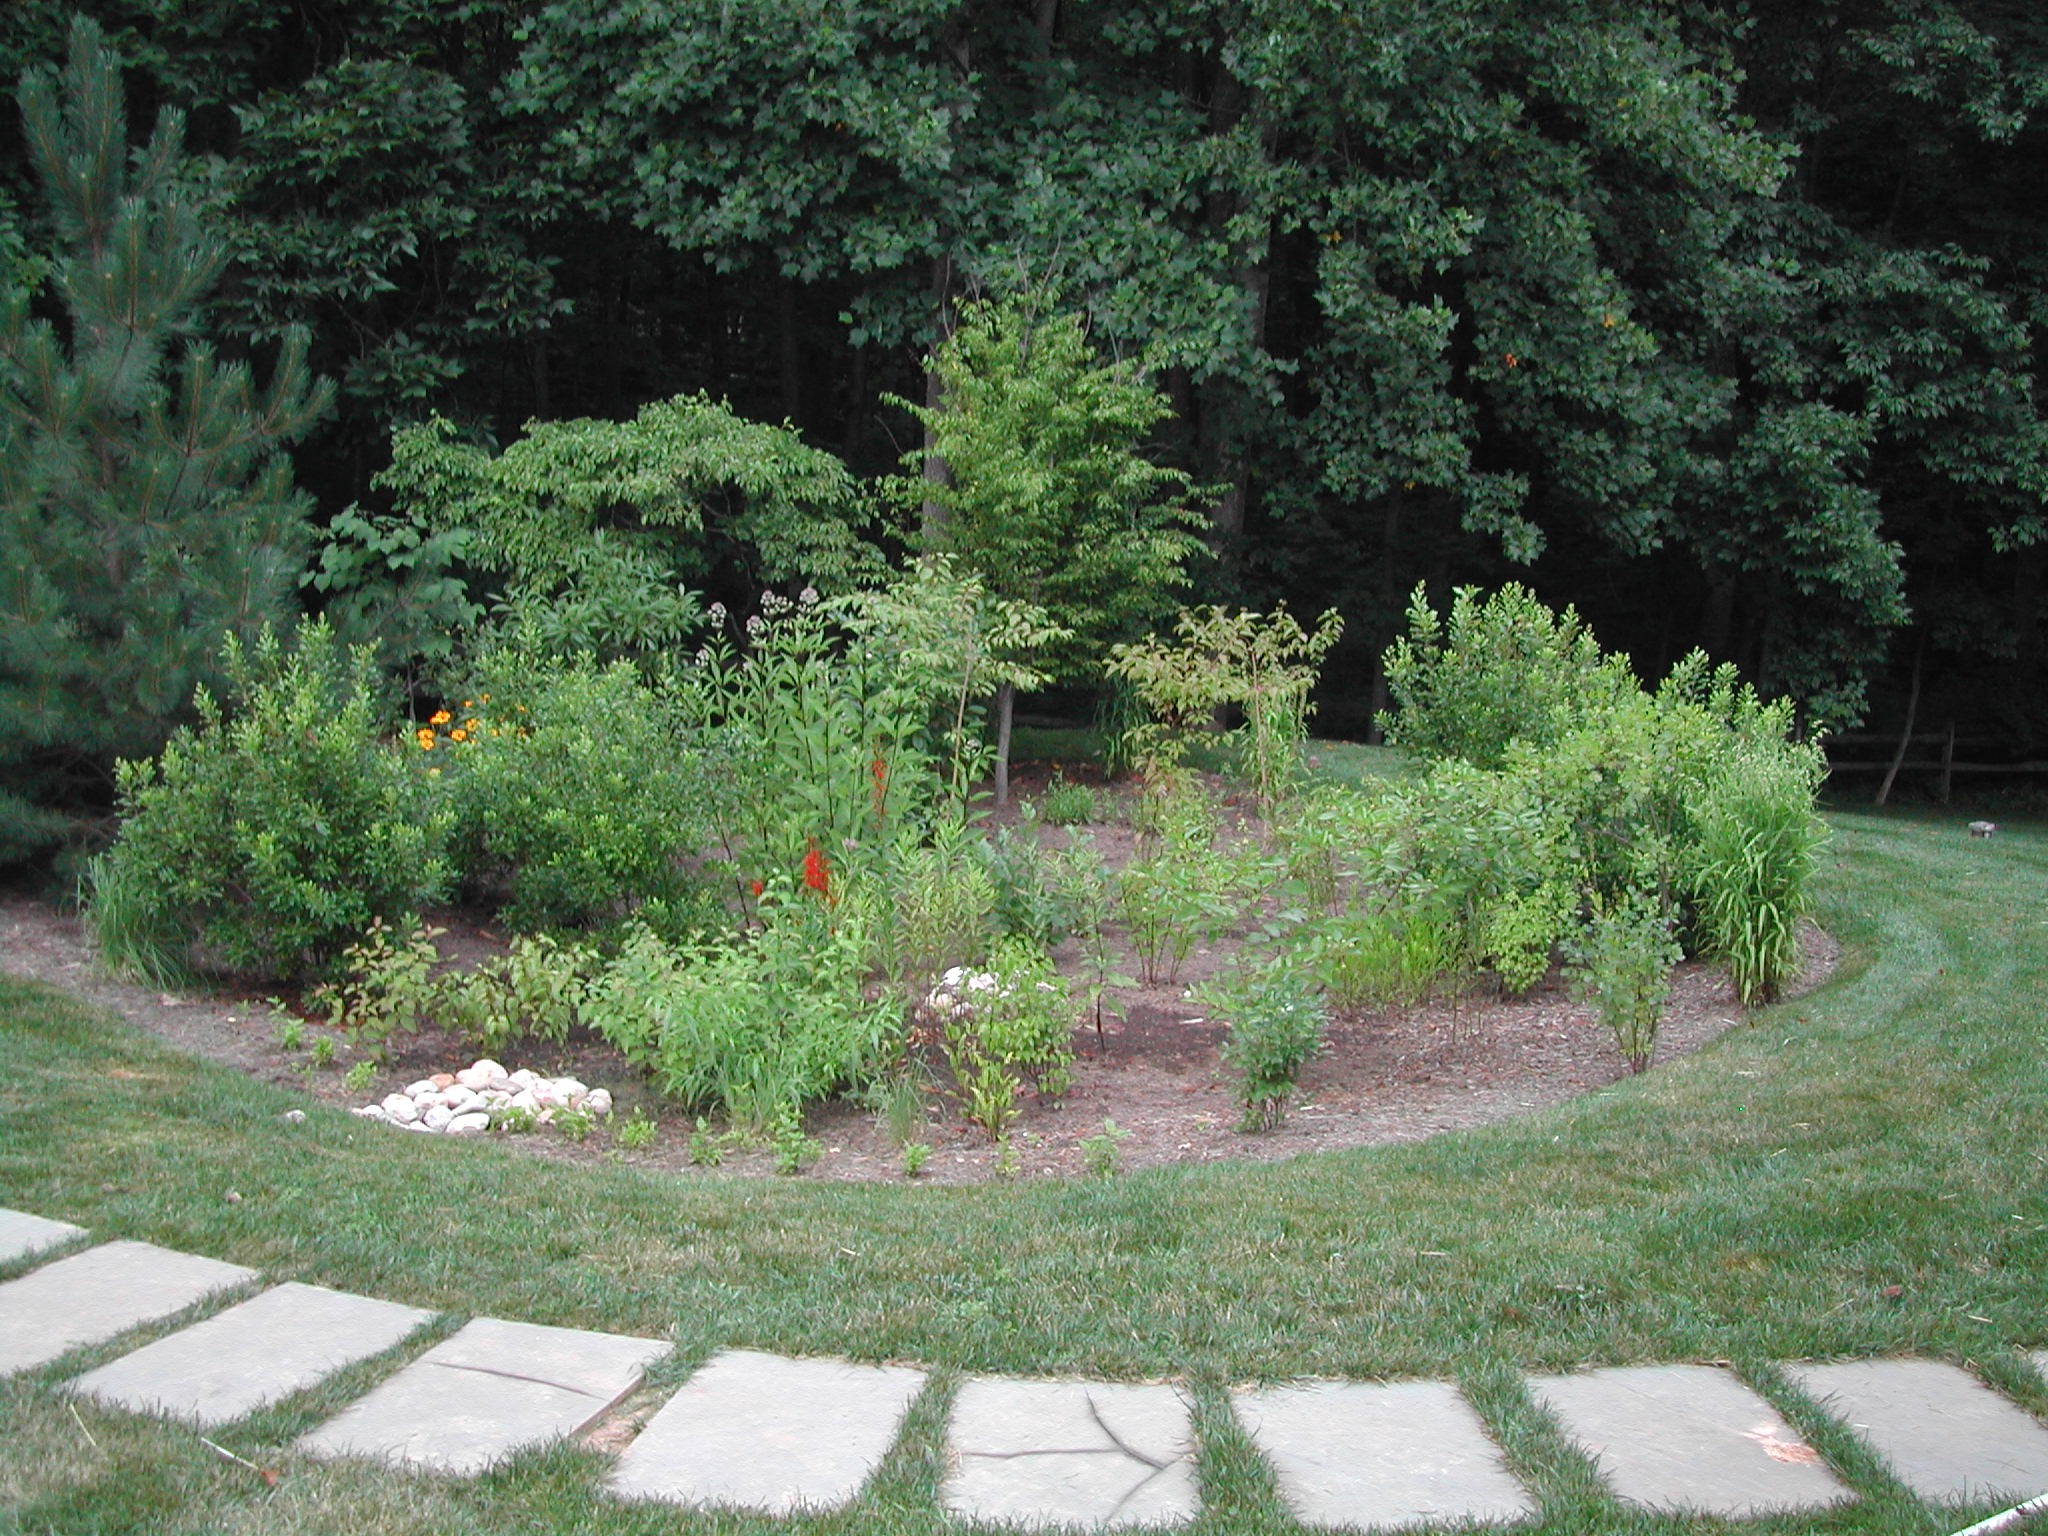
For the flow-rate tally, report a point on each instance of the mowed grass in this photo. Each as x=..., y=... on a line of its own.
x=1860, y=1172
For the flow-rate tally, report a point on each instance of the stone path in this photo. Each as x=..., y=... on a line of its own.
x=767, y=1433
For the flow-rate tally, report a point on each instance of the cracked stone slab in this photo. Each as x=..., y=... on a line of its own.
x=487, y=1392
x=22, y=1234
x=92, y=1296
x=1944, y=1433
x=765, y=1432
x=256, y=1353
x=1380, y=1457
x=1689, y=1438
x=1094, y=1454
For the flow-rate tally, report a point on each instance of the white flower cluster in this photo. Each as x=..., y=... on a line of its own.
x=960, y=990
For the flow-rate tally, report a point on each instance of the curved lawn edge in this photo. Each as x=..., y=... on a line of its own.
x=1845, y=1175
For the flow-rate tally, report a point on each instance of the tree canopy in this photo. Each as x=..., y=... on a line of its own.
x=1721, y=327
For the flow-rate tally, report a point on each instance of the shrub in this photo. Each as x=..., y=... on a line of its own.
x=577, y=795
x=535, y=989
x=1264, y=664
x=1503, y=669
x=1276, y=1019
x=1621, y=963
x=276, y=830
x=1012, y=1022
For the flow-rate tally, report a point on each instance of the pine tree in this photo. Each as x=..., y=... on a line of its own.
x=147, y=507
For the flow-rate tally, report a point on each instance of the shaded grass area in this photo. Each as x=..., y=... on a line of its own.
x=1860, y=1172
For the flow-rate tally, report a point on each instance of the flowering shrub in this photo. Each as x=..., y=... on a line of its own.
x=1012, y=1022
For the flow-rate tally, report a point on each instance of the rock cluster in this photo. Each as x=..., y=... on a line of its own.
x=469, y=1102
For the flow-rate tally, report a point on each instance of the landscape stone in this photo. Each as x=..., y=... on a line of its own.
x=763, y=1432
x=1070, y=1453
x=22, y=1234
x=92, y=1296
x=1379, y=1457
x=1944, y=1433
x=491, y=1390
x=251, y=1355
x=1689, y=1438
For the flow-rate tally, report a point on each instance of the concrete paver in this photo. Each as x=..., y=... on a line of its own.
x=1690, y=1438
x=258, y=1352
x=1944, y=1433
x=489, y=1391
x=92, y=1296
x=1070, y=1452
x=765, y=1432
x=1379, y=1457
x=22, y=1234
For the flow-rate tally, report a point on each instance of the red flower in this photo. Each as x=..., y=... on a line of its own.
x=817, y=874
x=758, y=886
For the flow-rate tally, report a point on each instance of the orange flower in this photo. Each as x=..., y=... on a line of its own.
x=439, y=717
x=425, y=737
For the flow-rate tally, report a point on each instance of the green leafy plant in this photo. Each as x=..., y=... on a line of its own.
x=795, y=1148
x=360, y=1076
x=323, y=1051
x=637, y=1134
x=915, y=1155
x=1502, y=669
x=750, y=1025
x=1013, y=1022
x=576, y=791
x=1392, y=953
x=291, y=1035
x=1102, y=1153
x=388, y=988
x=1263, y=664
x=1758, y=849
x=533, y=990
x=1519, y=931
x=1068, y=804
x=267, y=837
x=574, y=1124
x=707, y=1147
x=1621, y=963
x=1276, y=1018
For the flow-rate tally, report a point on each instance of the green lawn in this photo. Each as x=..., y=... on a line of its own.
x=1857, y=1173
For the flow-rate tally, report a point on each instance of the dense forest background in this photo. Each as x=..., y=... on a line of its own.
x=1716, y=320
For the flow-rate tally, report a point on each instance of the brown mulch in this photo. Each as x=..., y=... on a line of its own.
x=1390, y=1076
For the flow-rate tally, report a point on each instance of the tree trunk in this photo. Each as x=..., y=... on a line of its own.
x=937, y=472
x=1912, y=714
x=1006, y=704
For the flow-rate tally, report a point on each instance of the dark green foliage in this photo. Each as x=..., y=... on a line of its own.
x=278, y=829
x=146, y=506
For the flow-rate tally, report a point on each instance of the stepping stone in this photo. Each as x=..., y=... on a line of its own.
x=92, y=1296
x=257, y=1353
x=762, y=1432
x=1377, y=1458
x=1944, y=1433
x=22, y=1234
x=1083, y=1453
x=489, y=1391
x=1689, y=1438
